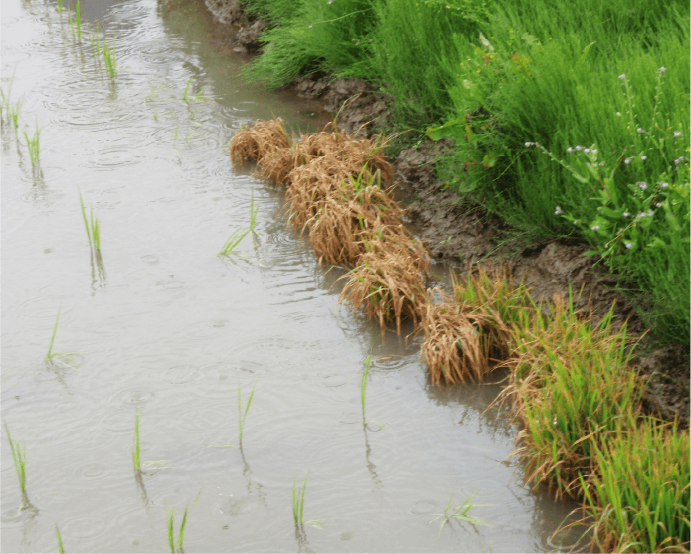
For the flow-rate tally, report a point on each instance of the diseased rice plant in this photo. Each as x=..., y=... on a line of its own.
x=181, y=533
x=237, y=236
x=93, y=228
x=247, y=409
x=61, y=548
x=19, y=458
x=136, y=453
x=639, y=495
x=459, y=513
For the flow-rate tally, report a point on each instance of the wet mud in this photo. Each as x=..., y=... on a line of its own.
x=464, y=235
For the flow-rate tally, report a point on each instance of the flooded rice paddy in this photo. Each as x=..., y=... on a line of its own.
x=157, y=324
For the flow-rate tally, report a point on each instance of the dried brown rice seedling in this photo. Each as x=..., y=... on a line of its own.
x=457, y=346
x=388, y=284
x=254, y=143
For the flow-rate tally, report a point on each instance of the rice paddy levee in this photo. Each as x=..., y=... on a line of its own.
x=572, y=384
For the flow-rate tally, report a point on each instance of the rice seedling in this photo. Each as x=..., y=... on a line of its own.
x=181, y=532
x=459, y=513
x=109, y=58
x=59, y=7
x=136, y=453
x=93, y=227
x=71, y=22
x=61, y=548
x=247, y=408
x=95, y=39
x=152, y=96
x=78, y=19
x=13, y=112
x=299, y=500
x=19, y=457
x=570, y=387
x=33, y=143
x=52, y=355
x=237, y=236
x=363, y=385
x=639, y=494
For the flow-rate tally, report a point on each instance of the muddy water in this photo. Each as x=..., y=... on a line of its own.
x=162, y=326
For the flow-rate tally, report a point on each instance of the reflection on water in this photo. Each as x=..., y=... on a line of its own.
x=164, y=326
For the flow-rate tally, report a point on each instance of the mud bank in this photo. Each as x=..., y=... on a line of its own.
x=463, y=235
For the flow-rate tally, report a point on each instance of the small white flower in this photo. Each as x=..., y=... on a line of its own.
x=658, y=204
x=643, y=157
x=528, y=144
x=640, y=130
x=594, y=151
x=619, y=114
x=555, y=421
x=642, y=185
x=664, y=185
x=628, y=160
x=628, y=245
x=595, y=227
x=309, y=26
x=569, y=150
x=641, y=215
x=677, y=134
x=626, y=214
x=557, y=211
x=579, y=148
x=622, y=76
x=650, y=213
x=662, y=69
x=587, y=150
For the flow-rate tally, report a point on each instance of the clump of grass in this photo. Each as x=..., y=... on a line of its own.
x=459, y=513
x=181, y=532
x=237, y=236
x=136, y=453
x=247, y=409
x=61, y=548
x=33, y=143
x=571, y=387
x=299, y=500
x=639, y=494
x=19, y=457
x=93, y=227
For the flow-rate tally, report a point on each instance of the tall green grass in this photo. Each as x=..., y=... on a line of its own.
x=242, y=418
x=19, y=458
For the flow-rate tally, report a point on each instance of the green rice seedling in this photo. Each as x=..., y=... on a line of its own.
x=363, y=385
x=247, y=409
x=93, y=227
x=152, y=96
x=61, y=548
x=237, y=236
x=181, y=532
x=19, y=458
x=459, y=513
x=78, y=19
x=299, y=500
x=52, y=355
x=33, y=143
x=95, y=39
x=639, y=495
x=71, y=22
x=136, y=453
x=187, y=88
x=109, y=58
x=13, y=112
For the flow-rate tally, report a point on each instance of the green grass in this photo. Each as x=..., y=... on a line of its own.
x=178, y=547
x=237, y=236
x=93, y=227
x=19, y=457
x=61, y=548
x=299, y=501
x=241, y=422
x=136, y=452
x=639, y=497
x=459, y=513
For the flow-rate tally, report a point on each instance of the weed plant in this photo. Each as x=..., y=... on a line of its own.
x=459, y=513
x=247, y=409
x=639, y=496
x=19, y=457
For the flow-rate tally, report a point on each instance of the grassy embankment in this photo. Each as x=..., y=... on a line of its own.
x=567, y=117
x=583, y=430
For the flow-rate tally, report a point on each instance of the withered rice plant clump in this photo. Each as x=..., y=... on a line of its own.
x=570, y=387
x=389, y=283
x=471, y=329
x=263, y=139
